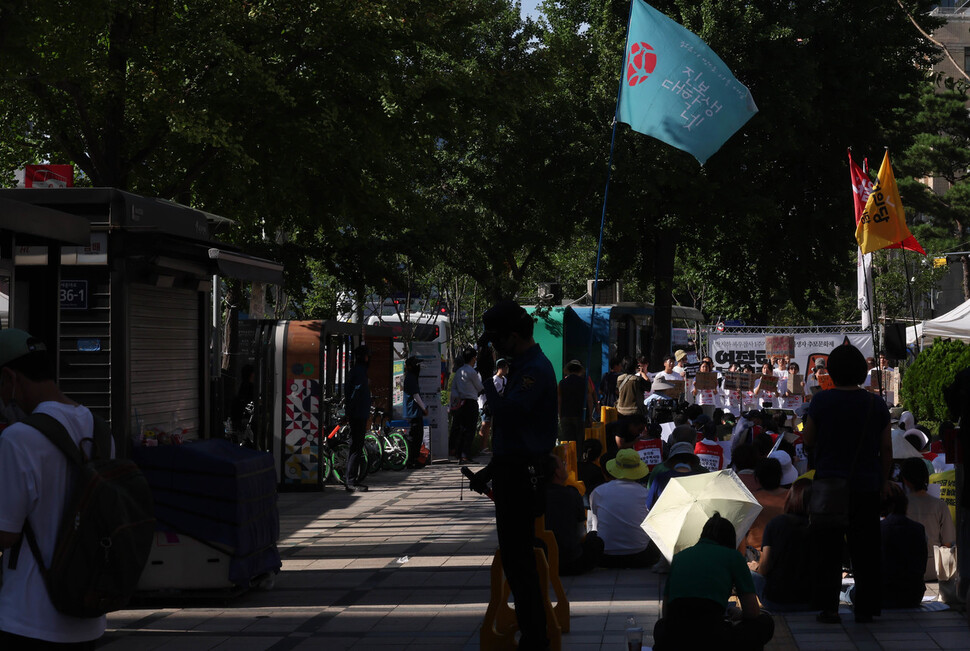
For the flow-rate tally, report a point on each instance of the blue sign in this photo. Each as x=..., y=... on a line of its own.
x=74, y=294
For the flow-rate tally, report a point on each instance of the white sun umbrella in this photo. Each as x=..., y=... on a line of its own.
x=687, y=503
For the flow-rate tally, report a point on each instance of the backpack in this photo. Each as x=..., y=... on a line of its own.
x=106, y=532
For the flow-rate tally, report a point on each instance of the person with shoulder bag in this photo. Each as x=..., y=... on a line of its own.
x=848, y=435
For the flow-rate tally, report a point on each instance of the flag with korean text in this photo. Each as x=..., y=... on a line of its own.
x=883, y=221
x=861, y=189
x=676, y=89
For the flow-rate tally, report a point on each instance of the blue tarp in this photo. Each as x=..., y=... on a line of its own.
x=218, y=493
x=577, y=330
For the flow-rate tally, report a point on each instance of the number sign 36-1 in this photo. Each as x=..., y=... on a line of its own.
x=74, y=294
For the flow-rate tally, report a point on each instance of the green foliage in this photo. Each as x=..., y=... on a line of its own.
x=934, y=369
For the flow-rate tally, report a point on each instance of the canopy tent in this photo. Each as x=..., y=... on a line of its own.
x=955, y=324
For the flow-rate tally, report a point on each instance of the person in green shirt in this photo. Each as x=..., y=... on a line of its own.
x=695, y=609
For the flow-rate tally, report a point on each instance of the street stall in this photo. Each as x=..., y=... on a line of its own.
x=128, y=308
x=132, y=321
x=300, y=369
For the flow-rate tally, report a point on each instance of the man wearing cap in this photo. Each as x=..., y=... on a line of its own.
x=524, y=427
x=33, y=483
x=414, y=409
x=618, y=508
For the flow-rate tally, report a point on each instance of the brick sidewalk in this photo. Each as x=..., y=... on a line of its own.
x=406, y=566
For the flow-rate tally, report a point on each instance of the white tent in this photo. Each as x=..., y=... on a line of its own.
x=955, y=324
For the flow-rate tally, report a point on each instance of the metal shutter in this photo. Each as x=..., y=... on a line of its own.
x=165, y=357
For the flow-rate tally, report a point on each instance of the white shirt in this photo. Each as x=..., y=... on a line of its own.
x=618, y=509
x=467, y=384
x=33, y=475
x=665, y=376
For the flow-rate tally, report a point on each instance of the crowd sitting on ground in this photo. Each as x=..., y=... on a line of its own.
x=768, y=451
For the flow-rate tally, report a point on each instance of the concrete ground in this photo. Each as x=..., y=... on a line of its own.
x=406, y=566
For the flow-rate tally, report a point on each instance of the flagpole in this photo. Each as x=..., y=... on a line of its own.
x=872, y=318
x=909, y=288
x=606, y=194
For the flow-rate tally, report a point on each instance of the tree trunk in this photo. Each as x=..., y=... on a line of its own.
x=965, y=261
x=664, y=255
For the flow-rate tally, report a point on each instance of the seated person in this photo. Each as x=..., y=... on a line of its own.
x=682, y=462
x=783, y=576
x=566, y=519
x=618, y=508
x=929, y=511
x=682, y=434
x=743, y=460
x=903, y=554
x=588, y=471
x=621, y=435
x=772, y=499
x=707, y=449
x=701, y=580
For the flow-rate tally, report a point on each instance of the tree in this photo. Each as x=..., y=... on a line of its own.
x=941, y=149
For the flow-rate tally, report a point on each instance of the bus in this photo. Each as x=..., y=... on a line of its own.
x=424, y=335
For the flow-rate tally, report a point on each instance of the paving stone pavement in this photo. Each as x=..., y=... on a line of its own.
x=406, y=566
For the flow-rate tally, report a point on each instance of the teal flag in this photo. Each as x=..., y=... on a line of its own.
x=676, y=89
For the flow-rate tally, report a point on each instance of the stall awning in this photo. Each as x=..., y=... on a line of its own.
x=247, y=267
x=28, y=219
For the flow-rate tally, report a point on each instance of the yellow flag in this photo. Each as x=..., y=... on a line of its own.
x=883, y=222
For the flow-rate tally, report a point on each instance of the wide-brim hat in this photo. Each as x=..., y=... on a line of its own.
x=903, y=449
x=924, y=439
x=660, y=385
x=15, y=344
x=627, y=465
x=788, y=472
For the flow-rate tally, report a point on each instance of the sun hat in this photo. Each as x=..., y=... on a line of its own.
x=660, y=385
x=679, y=449
x=15, y=344
x=906, y=421
x=627, y=465
x=920, y=434
x=679, y=355
x=903, y=449
x=788, y=472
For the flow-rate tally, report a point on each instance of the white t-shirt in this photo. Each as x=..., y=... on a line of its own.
x=665, y=376
x=618, y=509
x=33, y=475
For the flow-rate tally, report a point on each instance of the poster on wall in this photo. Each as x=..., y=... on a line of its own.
x=750, y=348
x=436, y=432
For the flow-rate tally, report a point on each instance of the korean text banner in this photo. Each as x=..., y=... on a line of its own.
x=676, y=89
x=750, y=348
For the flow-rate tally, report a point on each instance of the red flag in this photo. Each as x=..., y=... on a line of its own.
x=861, y=189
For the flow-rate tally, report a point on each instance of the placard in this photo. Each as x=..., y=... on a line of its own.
x=706, y=382
x=768, y=383
x=825, y=381
x=677, y=391
x=779, y=346
x=796, y=384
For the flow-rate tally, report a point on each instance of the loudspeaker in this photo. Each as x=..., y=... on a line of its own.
x=896, y=340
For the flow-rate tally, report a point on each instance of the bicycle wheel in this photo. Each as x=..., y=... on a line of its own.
x=339, y=457
x=373, y=454
x=326, y=465
x=395, y=451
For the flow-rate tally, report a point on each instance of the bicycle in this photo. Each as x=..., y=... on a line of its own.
x=393, y=442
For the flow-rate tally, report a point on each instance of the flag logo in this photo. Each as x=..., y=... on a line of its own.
x=643, y=61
